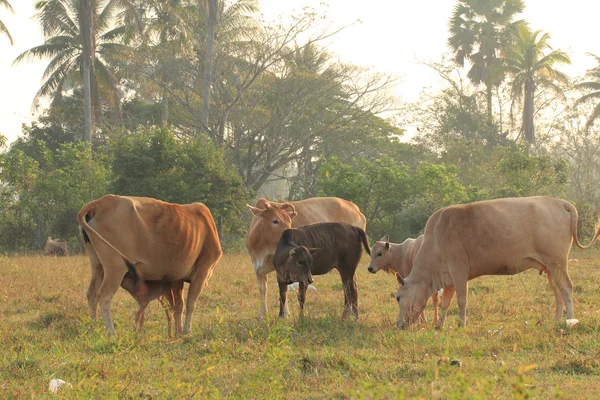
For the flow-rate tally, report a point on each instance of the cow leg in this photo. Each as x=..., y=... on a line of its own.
x=168, y=302
x=447, y=296
x=565, y=285
x=262, y=287
x=283, y=307
x=302, y=287
x=435, y=300
x=139, y=317
x=109, y=286
x=196, y=285
x=92, y=292
x=177, y=298
x=350, y=293
x=558, y=297
x=462, y=289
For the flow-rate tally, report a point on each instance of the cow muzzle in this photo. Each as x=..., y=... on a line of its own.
x=372, y=270
x=310, y=280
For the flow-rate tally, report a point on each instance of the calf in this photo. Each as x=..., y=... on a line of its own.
x=493, y=237
x=398, y=258
x=315, y=250
x=165, y=292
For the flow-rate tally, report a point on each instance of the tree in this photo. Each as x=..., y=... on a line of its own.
x=80, y=43
x=3, y=28
x=531, y=68
x=592, y=87
x=480, y=33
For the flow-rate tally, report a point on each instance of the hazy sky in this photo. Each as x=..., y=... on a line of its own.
x=391, y=34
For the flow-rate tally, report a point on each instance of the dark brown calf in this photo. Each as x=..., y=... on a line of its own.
x=315, y=250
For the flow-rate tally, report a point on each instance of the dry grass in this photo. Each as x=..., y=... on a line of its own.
x=510, y=348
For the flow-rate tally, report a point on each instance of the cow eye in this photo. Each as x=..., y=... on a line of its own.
x=300, y=262
x=275, y=221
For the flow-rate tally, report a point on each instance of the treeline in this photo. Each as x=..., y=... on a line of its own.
x=203, y=101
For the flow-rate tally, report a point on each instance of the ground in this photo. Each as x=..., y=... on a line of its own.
x=511, y=346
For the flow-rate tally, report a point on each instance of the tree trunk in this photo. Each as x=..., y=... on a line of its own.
x=489, y=88
x=528, y=129
x=38, y=231
x=86, y=29
x=164, y=109
x=208, y=63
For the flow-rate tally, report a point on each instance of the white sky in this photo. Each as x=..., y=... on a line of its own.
x=391, y=35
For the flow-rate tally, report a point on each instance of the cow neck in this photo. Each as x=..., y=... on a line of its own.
x=397, y=255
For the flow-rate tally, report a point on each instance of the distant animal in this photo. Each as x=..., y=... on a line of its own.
x=152, y=240
x=493, y=237
x=315, y=250
x=57, y=247
x=398, y=258
x=271, y=219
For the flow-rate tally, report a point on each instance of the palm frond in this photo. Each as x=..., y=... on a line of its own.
x=43, y=51
x=587, y=97
x=4, y=30
x=6, y=4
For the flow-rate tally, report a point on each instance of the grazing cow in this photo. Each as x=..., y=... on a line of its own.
x=271, y=219
x=152, y=240
x=398, y=258
x=494, y=237
x=165, y=292
x=315, y=250
x=57, y=247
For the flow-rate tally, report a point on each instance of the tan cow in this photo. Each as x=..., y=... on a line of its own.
x=57, y=247
x=398, y=258
x=271, y=219
x=159, y=241
x=494, y=237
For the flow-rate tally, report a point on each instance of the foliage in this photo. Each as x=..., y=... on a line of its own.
x=591, y=89
x=3, y=28
x=154, y=163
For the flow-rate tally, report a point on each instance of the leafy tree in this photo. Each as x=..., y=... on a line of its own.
x=592, y=87
x=3, y=28
x=530, y=63
x=80, y=42
x=154, y=163
x=480, y=33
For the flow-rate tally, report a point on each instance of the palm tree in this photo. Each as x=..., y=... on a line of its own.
x=479, y=33
x=530, y=63
x=81, y=46
x=593, y=85
x=3, y=29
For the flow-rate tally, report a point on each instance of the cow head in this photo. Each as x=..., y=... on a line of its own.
x=412, y=298
x=381, y=256
x=270, y=220
x=296, y=265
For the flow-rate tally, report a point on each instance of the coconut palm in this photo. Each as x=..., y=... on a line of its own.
x=592, y=87
x=3, y=29
x=479, y=33
x=80, y=45
x=530, y=63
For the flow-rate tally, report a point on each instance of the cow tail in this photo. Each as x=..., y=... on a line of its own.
x=573, y=211
x=82, y=218
x=363, y=238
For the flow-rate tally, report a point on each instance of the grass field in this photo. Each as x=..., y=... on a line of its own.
x=511, y=346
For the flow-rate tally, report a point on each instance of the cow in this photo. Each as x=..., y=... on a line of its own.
x=398, y=258
x=152, y=240
x=270, y=219
x=165, y=292
x=316, y=249
x=493, y=237
x=57, y=247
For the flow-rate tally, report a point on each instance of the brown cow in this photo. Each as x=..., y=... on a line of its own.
x=494, y=237
x=271, y=219
x=398, y=258
x=158, y=241
x=57, y=247
x=315, y=250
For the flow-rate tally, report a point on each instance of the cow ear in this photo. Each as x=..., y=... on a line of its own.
x=290, y=209
x=292, y=252
x=256, y=211
x=386, y=238
x=387, y=245
x=314, y=251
